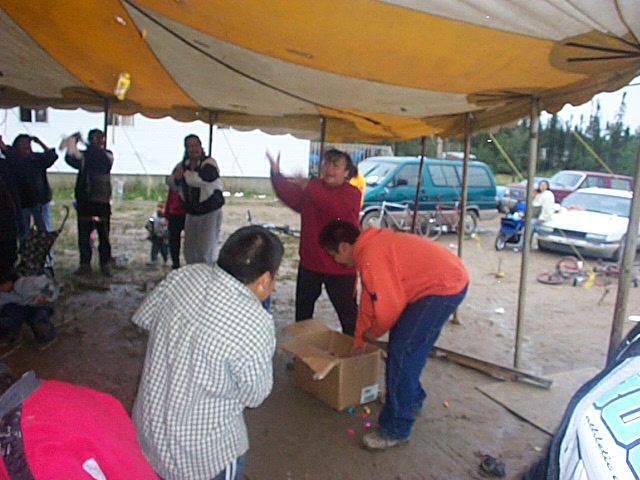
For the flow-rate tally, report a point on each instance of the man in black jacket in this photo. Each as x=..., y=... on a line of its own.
x=93, y=196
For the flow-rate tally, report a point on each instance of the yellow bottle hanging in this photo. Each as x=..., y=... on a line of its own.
x=124, y=82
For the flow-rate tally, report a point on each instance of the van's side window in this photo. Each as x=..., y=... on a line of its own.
x=407, y=176
x=443, y=176
x=478, y=176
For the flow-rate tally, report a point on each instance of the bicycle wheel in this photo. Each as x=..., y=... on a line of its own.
x=435, y=227
x=550, y=278
x=372, y=218
x=422, y=226
x=569, y=267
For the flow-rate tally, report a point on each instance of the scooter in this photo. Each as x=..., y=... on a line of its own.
x=511, y=231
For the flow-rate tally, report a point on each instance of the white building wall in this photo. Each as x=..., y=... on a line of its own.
x=154, y=147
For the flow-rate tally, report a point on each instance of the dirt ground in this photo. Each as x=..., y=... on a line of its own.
x=293, y=435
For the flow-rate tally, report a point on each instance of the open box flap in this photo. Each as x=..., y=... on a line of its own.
x=306, y=327
x=320, y=361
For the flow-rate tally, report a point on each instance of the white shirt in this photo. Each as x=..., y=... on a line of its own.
x=546, y=200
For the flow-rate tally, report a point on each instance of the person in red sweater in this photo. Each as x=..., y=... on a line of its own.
x=410, y=287
x=175, y=214
x=318, y=201
x=56, y=430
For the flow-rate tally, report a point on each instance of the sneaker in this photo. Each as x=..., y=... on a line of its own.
x=105, y=270
x=375, y=440
x=83, y=270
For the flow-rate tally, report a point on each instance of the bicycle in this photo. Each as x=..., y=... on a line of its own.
x=280, y=229
x=397, y=216
x=446, y=218
x=573, y=269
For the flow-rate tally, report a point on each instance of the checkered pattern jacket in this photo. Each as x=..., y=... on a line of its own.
x=209, y=356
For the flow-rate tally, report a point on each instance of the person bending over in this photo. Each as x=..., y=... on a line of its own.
x=410, y=287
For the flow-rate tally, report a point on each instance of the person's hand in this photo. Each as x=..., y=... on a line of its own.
x=178, y=172
x=357, y=350
x=299, y=181
x=367, y=337
x=274, y=162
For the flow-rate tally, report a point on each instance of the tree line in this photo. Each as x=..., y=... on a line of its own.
x=559, y=148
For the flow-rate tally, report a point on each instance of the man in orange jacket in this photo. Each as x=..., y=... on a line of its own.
x=410, y=287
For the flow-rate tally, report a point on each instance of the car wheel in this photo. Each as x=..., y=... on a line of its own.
x=470, y=223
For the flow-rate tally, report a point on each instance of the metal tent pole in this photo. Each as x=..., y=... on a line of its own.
x=628, y=256
x=526, y=249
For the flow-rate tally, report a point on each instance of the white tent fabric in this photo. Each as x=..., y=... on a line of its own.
x=374, y=69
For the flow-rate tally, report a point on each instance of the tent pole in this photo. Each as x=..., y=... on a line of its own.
x=465, y=182
x=526, y=249
x=323, y=134
x=630, y=245
x=416, y=201
x=213, y=118
x=106, y=119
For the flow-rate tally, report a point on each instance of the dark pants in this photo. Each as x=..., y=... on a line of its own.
x=86, y=224
x=410, y=340
x=159, y=245
x=341, y=291
x=176, y=226
x=14, y=315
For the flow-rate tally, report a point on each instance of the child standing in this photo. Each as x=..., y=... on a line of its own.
x=157, y=226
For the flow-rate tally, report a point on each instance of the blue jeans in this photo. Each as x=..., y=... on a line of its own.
x=41, y=219
x=410, y=340
x=233, y=471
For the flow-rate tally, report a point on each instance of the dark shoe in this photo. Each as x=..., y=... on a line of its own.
x=83, y=270
x=491, y=465
x=374, y=441
x=105, y=270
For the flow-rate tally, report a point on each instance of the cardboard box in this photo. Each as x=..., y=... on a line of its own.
x=324, y=368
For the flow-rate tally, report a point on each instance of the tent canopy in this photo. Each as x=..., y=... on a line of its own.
x=376, y=70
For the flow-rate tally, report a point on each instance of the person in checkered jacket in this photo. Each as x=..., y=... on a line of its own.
x=209, y=356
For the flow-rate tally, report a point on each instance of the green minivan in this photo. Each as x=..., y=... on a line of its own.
x=394, y=179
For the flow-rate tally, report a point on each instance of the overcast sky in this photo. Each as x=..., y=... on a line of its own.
x=609, y=106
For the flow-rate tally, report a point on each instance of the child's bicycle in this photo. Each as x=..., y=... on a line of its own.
x=572, y=269
x=284, y=229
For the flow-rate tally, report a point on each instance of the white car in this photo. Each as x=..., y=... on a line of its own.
x=591, y=220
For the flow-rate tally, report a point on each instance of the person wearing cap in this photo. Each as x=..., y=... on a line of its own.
x=410, y=287
x=93, y=196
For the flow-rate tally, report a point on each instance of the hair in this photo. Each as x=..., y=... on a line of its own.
x=92, y=131
x=541, y=182
x=250, y=252
x=334, y=155
x=336, y=232
x=191, y=135
x=19, y=138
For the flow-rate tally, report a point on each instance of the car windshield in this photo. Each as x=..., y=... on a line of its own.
x=375, y=172
x=566, y=179
x=607, y=204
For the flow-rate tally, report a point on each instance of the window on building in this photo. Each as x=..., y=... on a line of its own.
x=120, y=120
x=29, y=115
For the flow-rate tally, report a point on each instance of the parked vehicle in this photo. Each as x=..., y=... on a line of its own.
x=564, y=182
x=516, y=192
x=511, y=231
x=394, y=179
x=592, y=221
